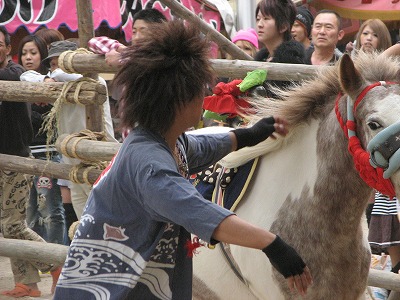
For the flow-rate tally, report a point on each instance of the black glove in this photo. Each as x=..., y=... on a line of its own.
x=251, y=136
x=396, y=268
x=284, y=258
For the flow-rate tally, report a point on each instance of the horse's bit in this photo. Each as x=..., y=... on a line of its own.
x=384, y=146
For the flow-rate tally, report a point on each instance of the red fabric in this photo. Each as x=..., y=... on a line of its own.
x=226, y=99
x=102, y=45
x=372, y=176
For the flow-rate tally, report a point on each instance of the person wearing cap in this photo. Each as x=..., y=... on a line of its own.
x=301, y=28
x=247, y=41
x=72, y=117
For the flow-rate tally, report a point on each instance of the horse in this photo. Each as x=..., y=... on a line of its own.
x=307, y=188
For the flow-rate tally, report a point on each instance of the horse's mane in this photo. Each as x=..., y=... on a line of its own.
x=310, y=100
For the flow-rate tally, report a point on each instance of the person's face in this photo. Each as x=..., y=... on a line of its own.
x=30, y=57
x=139, y=30
x=298, y=32
x=325, y=31
x=53, y=63
x=190, y=113
x=266, y=28
x=368, y=39
x=4, y=51
x=244, y=47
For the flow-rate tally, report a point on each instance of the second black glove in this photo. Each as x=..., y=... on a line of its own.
x=284, y=258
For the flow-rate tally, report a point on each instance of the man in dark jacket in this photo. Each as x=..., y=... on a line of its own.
x=16, y=134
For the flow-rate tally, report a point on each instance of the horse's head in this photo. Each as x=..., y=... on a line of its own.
x=372, y=86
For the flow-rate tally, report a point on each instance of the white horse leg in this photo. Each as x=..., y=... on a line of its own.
x=217, y=281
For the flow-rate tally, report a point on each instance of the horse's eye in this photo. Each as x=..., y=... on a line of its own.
x=374, y=125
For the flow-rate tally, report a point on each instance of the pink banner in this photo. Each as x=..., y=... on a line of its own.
x=362, y=9
x=52, y=13
x=130, y=7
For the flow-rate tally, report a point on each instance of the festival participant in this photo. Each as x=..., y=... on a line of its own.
x=45, y=211
x=373, y=35
x=141, y=25
x=49, y=35
x=131, y=240
x=247, y=41
x=274, y=22
x=274, y=19
x=72, y=118
x=325, y=34
x=301, y=29
x=16, y=135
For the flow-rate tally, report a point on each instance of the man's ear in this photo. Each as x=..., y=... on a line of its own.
x=284, y=28
x=340, y=34
x=8, y=50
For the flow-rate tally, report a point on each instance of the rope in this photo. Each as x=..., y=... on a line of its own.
x=50, y=122
x=85, y=134
x=69, y=56
x=86, y=166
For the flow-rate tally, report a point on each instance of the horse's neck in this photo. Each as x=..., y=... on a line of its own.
x=311, y=177
x=339, y=184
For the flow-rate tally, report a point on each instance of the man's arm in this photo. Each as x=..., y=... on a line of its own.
x=393, y=50
x=11, y=72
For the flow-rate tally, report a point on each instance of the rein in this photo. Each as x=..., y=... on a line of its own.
x=372, y=174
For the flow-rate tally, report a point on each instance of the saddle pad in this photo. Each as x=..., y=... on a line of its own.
x=235, y=190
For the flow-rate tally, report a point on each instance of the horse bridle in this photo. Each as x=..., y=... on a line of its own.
x=383, y=159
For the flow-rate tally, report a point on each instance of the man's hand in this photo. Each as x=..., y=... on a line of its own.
x=267, y=127
x=289, y=263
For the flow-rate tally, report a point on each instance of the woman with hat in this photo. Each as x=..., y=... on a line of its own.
x=247, y=41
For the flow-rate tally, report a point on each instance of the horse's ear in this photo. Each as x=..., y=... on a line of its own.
x=350, y=79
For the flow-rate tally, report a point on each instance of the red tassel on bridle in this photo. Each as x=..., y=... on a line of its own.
x=192, y=246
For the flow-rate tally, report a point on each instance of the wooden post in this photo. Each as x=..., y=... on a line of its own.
x=43, y=168
x=24, y=91
x=384, y=279
x=88, y=150
x=85, y=21
x=222, y=67
x=32, y=250
x=225, y=44
x=94, y=118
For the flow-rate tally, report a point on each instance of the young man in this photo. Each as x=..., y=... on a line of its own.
x=325, y=34
x=301, y=28
x=133, y=238
x=142, y=22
